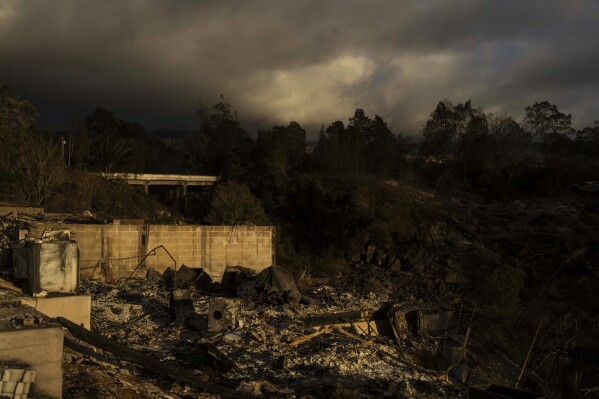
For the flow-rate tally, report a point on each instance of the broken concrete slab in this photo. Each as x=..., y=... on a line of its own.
x=28, y=341
x=75, y=308
x=235, y=275
x=38, y=349
x=181, y=304
x=184, y=276
x=203, y=280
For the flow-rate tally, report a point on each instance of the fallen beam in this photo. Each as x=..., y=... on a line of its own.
x=8, y=286
x=141, y=359
x=309, y=337
x=322, y=319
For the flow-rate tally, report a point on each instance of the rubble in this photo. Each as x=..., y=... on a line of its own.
x=148, y=362
x=184, y=276
x=15, y=382
x=397, y=324
x=293, y=348
x=278, y=285
x=259, y=345
x=180, y=304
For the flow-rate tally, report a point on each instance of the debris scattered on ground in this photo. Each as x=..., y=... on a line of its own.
x=399, y=322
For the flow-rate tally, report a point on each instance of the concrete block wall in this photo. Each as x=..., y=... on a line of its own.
x=124, y=248
x=212, y=247
x=120, y=248
x=104, y=248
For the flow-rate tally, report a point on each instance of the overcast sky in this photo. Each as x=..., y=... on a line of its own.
x=311, y=61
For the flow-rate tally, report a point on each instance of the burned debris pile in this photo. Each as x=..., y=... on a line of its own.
x=418, y=321
x=254, y=333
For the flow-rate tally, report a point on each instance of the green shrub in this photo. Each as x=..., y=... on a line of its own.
x=79, y=191
x=234, y=204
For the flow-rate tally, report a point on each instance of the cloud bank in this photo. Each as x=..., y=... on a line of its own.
x=309, y=61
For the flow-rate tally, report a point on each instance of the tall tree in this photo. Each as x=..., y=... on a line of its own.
x=223, y=146
x=510, y=147
x=279, y=156
x=331, y=153
x=117, y=145
x=439, y=132
x=456, y=133
x=384, y=148
x=546, y=124
x=587, y=141
x=508, y=141
x=365, y=145
x=28, y=161
x=281, y=148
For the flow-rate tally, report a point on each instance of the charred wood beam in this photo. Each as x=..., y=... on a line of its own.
x=141, y=359
x=324, y=319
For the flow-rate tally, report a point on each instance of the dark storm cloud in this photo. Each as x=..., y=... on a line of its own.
x=310, y=61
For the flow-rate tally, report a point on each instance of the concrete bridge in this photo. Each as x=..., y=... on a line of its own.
x=147, y=179
x=179, y=182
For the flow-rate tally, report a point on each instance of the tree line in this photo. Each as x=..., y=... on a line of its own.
x=327, y=203
x=460, y=145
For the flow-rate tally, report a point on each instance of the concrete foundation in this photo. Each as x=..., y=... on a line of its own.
x=75, y=308
x=38, y=349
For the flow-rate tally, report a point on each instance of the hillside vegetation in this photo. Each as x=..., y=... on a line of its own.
x=478, y=213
